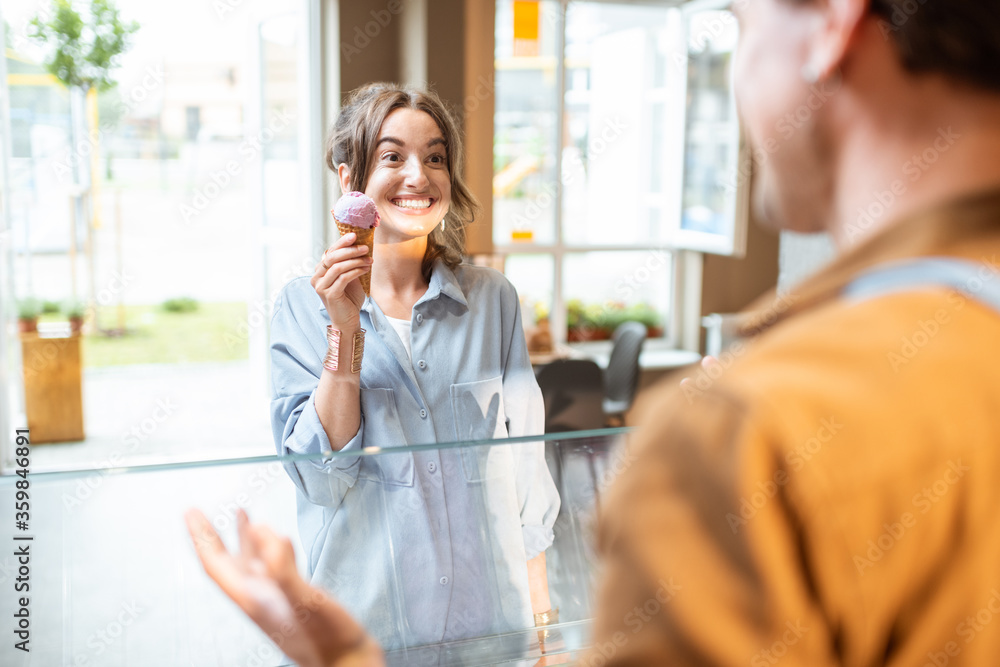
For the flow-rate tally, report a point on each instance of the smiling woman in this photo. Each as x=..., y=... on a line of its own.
x=366, y=142
x=445, y=360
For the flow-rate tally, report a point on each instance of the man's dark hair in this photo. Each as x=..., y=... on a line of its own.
x=958, y=38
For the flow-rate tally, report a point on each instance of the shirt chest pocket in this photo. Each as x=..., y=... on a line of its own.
x=479, y=415
x=383, y=429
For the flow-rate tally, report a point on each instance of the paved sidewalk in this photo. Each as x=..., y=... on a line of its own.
x=166, y=412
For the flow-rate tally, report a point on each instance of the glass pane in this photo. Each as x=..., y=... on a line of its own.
x=447, y=592
x=278, y=134
x=616, y=157
x=712, y=132
x=525, y=126
x=145, y=218
x=604, y=289
x=533, y=276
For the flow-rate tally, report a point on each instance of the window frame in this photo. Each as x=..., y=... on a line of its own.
x=683, y=318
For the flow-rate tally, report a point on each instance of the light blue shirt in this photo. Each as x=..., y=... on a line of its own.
x=424, y=546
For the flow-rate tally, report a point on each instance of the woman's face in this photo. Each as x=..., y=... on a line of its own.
x=410, y=182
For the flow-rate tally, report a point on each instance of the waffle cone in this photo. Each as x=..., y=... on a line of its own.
x=365, y=237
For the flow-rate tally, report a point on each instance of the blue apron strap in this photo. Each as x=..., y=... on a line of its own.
x=975, y=280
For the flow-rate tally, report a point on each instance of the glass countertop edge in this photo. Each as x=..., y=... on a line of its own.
x=8, y=476
x=574, y=637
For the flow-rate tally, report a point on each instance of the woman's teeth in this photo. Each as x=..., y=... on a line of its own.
x=412, y=203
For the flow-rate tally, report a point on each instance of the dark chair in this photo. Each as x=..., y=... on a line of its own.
x=572, y=390
x=621, y=379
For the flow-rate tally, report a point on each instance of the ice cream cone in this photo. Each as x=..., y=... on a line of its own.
x=365, y=237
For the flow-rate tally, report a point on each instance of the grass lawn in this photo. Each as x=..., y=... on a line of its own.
x=213, y=332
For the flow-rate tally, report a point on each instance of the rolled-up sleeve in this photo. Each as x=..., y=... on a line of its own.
x=295, y=425
x=525, y=410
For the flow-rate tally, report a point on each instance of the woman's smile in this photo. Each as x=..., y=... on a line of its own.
x=412, y=204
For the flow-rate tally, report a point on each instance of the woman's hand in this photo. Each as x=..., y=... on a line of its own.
x=307, y=625
x=336, y=279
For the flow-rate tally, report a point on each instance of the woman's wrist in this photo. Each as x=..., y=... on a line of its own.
x=345, y=350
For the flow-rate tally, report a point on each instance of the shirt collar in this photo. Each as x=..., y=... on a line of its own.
x=443, y=281
x=964, y=227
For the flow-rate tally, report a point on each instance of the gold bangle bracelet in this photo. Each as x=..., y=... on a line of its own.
x=550, y=617
x=359, y=351
x=332, y=360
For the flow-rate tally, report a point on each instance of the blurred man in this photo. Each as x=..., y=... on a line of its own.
x=828, y=495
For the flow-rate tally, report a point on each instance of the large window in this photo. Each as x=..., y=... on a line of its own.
x=589, y=173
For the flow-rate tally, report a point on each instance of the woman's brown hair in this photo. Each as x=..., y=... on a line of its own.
x=352, y=142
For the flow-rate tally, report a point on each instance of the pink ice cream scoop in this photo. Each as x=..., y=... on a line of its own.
x=357, y=210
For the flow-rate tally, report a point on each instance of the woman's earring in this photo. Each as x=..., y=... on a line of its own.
x=442, y=224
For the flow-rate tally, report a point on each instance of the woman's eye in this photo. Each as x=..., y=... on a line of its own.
x=437, y=159
x=391, y=157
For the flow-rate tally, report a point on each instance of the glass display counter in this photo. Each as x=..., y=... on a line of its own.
x=114, y=578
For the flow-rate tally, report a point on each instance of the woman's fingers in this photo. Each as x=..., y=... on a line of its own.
x=334, y=255
x=331, y=257
x=335, y=274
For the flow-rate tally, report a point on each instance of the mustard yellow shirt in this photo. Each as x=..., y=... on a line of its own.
x=832, y=497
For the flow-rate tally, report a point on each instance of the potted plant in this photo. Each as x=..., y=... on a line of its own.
x=585, y=322
x=28, y=311
x=75, y=312
x=646, y=315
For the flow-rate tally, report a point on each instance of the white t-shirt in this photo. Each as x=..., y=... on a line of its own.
x=402, y=328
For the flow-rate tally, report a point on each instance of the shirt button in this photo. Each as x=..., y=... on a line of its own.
x=420, y=318
x=444, y=581
x=431, y=467
x=423, y=414
x=422, y=364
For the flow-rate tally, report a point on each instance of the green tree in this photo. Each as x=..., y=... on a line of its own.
x=83, y=50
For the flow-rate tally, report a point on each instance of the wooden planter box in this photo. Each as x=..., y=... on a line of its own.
x=53, y=387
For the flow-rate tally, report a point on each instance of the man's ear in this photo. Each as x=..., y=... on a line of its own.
x=344, y=174
x=840, y=26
